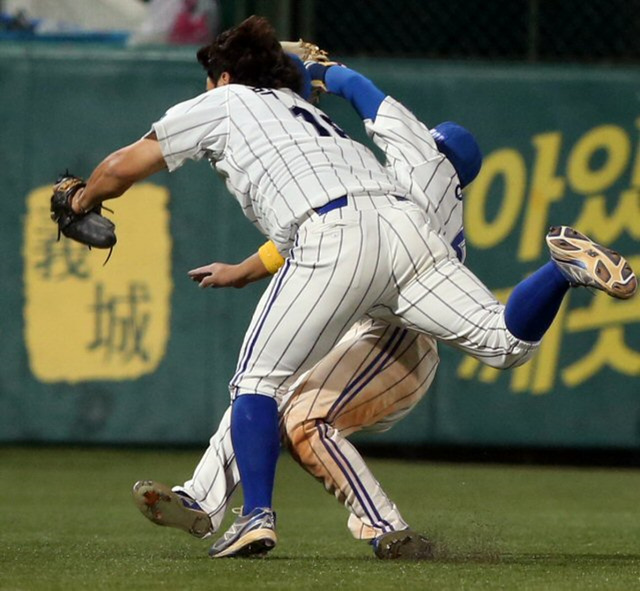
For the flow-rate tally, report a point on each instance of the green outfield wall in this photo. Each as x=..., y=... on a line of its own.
x=133, y=352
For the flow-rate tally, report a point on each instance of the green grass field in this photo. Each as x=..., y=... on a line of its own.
x=67, y=522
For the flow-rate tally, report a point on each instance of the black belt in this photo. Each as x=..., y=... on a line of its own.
x=341, y=202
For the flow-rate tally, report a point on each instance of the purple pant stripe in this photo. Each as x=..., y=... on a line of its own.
x=380, y=361
x=355, y=483
x=249, y=352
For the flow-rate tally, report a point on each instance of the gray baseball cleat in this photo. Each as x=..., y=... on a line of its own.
x=158, y=503
x=586, y=263
x=253, y=534
x=404, y=545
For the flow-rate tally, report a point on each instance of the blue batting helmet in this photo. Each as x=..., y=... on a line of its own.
x=460, y=148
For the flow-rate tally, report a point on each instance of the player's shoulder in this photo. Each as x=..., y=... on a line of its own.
x=258, y=91
x=393, y=114
x=263, y=94
x=202, y=100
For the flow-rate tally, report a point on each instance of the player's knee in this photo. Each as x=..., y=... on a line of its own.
x=302, y=439
x=298, y=432
x=513, y=358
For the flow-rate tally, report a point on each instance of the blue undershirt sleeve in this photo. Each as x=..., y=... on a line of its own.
x=364, y=95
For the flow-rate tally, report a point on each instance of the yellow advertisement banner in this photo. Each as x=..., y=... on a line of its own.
x=86, y=320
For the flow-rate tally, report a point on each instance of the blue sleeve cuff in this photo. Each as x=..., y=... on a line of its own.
x=317, y=71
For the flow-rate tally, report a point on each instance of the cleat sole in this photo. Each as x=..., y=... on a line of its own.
x=159, y=504
x=255, y=543
x=587, y=263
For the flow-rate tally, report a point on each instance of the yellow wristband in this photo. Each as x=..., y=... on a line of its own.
x=270, y=257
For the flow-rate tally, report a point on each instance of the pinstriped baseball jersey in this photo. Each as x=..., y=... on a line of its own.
x=413, y=156
x=280, y=156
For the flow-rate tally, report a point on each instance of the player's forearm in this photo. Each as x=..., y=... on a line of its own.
x=364, y=95
x=103, y=184
x=253, y=268
x=118, y=171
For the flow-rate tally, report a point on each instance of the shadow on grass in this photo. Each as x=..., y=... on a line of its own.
x=561, y=558
x=445, y=555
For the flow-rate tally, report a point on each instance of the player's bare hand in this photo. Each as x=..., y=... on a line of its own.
x=75, y=201
x=219, y=275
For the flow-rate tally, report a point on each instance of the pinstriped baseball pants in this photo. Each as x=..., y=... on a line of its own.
x=371, y=380
x=378, y=258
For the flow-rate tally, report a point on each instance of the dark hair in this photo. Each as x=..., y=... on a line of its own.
x=252, y=55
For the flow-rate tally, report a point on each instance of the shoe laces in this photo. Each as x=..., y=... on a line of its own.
x=235, y=526
x=241, y=521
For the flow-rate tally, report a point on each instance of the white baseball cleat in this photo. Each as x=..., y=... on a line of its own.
x=253, y=534
x=158, y=503
x=587, y=263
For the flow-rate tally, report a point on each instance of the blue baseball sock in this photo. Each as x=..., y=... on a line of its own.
x=534, y=303
x=256, y=442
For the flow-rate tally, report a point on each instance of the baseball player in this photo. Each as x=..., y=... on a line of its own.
x=356, y=245
x=372, y=379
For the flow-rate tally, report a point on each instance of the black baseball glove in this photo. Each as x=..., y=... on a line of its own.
x=90, y=228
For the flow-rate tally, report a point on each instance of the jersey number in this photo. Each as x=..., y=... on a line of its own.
x=329, y=128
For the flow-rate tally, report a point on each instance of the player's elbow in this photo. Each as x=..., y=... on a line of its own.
x=512, y=358
x=135, y=162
